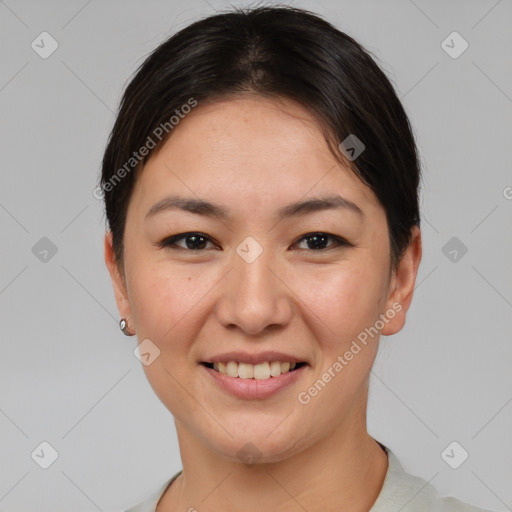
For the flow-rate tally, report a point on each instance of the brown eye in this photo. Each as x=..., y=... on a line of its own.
x=319, y=241
x=193, y=241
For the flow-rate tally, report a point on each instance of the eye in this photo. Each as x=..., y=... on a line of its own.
x=318, y=241
x=198, y=241
x=193, y=241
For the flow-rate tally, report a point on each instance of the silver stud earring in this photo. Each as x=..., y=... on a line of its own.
x=123, y=325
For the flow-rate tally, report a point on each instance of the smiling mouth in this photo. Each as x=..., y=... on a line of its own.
x=259, y=371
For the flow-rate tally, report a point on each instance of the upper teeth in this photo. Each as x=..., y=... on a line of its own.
x=257, y=371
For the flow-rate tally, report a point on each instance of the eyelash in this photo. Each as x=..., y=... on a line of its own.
x=170, y=242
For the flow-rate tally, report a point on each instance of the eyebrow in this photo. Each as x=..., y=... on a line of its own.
x=208, y=209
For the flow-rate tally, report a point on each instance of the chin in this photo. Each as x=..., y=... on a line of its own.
x=252, y=447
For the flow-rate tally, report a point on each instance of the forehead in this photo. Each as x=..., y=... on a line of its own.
x=251, y=148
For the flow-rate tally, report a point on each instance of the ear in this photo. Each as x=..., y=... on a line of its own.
x=121, y=295
x=402, y=283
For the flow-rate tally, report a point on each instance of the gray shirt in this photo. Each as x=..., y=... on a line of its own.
x=401, y=492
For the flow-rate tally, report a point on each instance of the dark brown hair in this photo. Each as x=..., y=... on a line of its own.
x=275, y=51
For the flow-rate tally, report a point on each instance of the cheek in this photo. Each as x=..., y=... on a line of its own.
x=165, y=303
x=345, y=298
x=162, y=298
x=341, y=305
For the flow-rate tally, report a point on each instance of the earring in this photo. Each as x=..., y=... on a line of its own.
x=123, y=325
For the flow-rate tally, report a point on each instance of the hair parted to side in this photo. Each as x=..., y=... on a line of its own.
x=272, y=52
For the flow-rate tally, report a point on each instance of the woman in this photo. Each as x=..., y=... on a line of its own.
x=261, y=190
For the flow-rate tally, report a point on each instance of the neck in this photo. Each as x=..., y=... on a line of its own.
x=343, y=471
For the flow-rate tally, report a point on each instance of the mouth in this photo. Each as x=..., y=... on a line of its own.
x=259, y=381
x=247, y=371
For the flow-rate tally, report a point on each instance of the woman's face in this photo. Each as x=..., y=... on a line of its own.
x=252, y=281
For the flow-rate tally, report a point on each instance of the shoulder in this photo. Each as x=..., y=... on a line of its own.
x=409, y=493
x=150, y=502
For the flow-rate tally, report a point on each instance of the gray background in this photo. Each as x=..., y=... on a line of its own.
x=69, y=377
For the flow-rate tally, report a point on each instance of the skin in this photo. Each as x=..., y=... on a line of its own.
x=254, y=155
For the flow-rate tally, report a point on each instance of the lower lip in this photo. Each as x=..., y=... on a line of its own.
x=253, y=389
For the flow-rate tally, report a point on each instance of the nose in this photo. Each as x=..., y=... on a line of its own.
x=255, y=298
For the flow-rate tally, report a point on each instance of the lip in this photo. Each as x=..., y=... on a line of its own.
x=254, y=389
x=261, y=357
